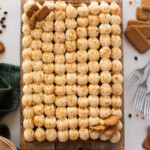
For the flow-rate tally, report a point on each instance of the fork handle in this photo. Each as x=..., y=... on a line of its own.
x=146, y=73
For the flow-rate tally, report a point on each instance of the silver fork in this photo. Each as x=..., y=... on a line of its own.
x=147, y=106
x=141, y=95
x=136, y=77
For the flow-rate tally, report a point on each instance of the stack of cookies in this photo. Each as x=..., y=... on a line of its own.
x=138, y=31
x=72, y=71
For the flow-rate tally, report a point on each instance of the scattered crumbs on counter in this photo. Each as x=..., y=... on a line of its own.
x=137, y=115
x=136, y=58
x=130, y=2
x=143, y=117
x=2, y=21
x=130, y=115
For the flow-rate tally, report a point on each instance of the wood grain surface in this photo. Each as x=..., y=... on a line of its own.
x=69, y=145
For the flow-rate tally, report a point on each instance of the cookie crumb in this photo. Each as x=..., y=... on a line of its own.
x=130, y=115
x=3, y=26
x=143, y=118
x=137, y=115
x=1, y=31
x=5, y=12
x=3, y=18
x=136, y=58
x=130, y=2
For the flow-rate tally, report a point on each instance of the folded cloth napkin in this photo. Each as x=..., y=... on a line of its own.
x=9, y=92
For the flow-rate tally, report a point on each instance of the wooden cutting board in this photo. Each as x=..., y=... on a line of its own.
x=69, y=145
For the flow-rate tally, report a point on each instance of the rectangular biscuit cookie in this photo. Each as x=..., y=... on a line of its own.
x=31, y=10
x=137, y=22
x=32, y=21
x=139, y=41
x=142, y=14
x=145, y=29
x=146, y=4
x=42, y=13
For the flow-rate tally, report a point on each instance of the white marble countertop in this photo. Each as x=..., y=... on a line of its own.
x=135, y=127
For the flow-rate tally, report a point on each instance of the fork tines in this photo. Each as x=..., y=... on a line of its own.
x=139, y=99
x=147, y=107
x=132, y=81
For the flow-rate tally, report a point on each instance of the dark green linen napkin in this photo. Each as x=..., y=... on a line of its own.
x=9, y=92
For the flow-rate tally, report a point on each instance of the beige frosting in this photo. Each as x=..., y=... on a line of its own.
x=71, y=89
x=93, y=100
x=73, y=134
x=71, y=12
x=60, y=101
x=62, y=124
x=84, y=134
x=48, y=78
x=63, y=136
x=94, y=89
x=83, y=10
x=61, y=112
x=82, y=90
x=51, y=135
x=71, y=100
x=70, y=23
x=40, y=134
x=94, y=8
x=49, y=110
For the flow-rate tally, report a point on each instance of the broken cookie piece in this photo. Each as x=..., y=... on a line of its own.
x=42, y=13
x=145, y=29
x=146, y=4
x=32, y=21
x=142, y=14
x=31, y=10
x=111, y=121
x=110, y=131
x=2, y=47
x=98, y=128
x=139, y=41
